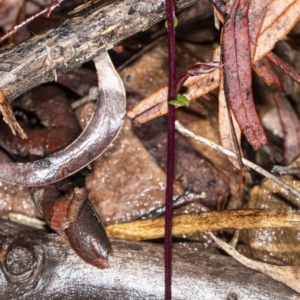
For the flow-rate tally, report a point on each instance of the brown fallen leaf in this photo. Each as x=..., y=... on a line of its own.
x=291, y=127
x=279, y=18
x=9, y=117
x=294, y=195
x=265, y=69
x=126, y=182
x=288, y=69
x=238, y=73
x=193, y=171
x=289, y=275
x=156, y=105
x=206, y=221
x=269, y=22
x=51, y=106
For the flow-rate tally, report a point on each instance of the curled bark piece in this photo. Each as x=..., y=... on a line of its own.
x=102, y=129
x=88, y=237
x=73, y=215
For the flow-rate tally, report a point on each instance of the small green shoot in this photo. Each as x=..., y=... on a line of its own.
x=175, y=22
x=180, y=101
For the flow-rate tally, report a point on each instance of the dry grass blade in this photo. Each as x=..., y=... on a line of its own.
x=289, y=275
x=207, y=221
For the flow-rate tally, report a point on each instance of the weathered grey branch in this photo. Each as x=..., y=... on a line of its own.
x=37, y=265
x=89, y=30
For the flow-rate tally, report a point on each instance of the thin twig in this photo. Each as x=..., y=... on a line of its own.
x=229, y=153
x=47, y=10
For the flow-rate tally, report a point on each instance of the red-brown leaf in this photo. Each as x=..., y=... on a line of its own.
x=265, y=69
x=237, y=72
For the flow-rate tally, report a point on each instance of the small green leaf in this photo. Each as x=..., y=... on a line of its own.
x=175, y=22
x=180, y=101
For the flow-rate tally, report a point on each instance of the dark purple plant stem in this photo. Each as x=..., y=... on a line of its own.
x=170, y=10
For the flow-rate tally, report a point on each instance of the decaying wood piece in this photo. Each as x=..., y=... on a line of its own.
x=38, y=265
x=89, y=30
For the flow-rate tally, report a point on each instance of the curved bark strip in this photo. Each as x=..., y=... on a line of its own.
x=238, y=74
x=74, y=216
x=102, y=129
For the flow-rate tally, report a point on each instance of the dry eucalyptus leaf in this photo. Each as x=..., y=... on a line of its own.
x=204, y=122
x=126, y=182
x=194, y=172
x=278, y=19
x=266, y=26
x=265, y=69
x=9, y=117
x=237, y=69
x=289, y=275
x=156, y=105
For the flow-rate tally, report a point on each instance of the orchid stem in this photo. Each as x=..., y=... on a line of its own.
x=170, y=10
